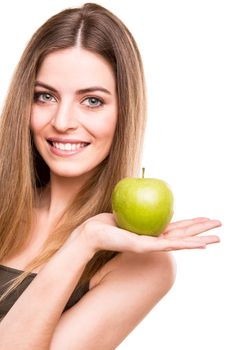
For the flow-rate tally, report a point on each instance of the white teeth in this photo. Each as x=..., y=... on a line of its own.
x=69, y=146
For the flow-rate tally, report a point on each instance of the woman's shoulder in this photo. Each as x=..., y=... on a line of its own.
x=127, y=262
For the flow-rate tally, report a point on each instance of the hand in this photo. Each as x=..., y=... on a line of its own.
x=101, y=233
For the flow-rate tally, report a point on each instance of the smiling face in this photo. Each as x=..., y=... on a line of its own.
x=74, y=112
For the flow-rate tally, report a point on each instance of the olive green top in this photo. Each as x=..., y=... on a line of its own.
x=8, y=273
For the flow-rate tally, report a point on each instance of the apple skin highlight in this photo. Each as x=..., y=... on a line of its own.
x=142, y=205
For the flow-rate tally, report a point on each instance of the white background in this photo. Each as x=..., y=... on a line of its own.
x=187, y=52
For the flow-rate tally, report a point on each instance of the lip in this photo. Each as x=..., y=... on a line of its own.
x=65, y=140
x=64, y=154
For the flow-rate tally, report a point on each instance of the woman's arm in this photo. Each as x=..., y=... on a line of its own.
x=130, y=287
x=139, y=280
x=31, y=321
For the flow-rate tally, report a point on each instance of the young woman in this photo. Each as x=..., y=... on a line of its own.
x=71, y=128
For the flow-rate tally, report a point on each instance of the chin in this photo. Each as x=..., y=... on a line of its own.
x=70, y=172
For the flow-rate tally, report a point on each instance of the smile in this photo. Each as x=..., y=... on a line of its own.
x=64, y=149
x=69, y=146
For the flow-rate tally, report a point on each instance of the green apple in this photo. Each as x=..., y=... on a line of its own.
x=142, y=205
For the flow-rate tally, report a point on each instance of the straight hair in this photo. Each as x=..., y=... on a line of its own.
x=23, y=172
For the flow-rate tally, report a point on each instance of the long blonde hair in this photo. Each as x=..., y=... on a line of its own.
x=23, y=171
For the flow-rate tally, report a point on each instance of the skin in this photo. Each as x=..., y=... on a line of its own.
x=144, y=266
x=71, y=114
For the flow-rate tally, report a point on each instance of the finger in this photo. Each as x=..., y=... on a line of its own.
x=204, y=239
x=178, y=245
x=188, y=243
x=165, y=245
x=149, y=244
x=184, y=223
x=194, y=229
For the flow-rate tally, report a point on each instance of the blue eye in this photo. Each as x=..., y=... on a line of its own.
x=43, y=97
x=93, y=102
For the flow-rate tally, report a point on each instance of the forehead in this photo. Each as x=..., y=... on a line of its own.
x=76, y=66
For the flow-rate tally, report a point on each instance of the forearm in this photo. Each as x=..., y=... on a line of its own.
x=31, y=321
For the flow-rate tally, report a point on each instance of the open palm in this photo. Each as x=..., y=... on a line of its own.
x=103, y=232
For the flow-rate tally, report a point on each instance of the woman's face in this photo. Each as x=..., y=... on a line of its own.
x=74, y=112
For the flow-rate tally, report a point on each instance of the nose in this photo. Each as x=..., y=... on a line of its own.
x=65, y=117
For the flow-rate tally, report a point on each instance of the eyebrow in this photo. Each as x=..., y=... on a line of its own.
x=77, y=92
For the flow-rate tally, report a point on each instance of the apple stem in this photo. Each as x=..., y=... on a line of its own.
x=143, y=172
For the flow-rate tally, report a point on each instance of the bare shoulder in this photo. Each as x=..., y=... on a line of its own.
x=128, y=263
x=115, y=301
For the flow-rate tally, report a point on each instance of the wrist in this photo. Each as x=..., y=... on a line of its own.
x=78, y=245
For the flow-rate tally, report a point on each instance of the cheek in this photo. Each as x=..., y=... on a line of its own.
x=33, y=124
x=104, y=128
x=106, y=131
x=37, y=120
